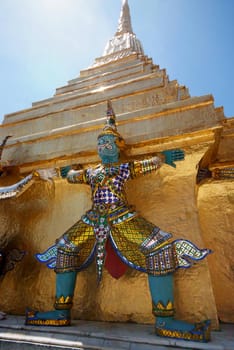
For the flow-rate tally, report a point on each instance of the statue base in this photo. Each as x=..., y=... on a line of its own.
x=82, y=334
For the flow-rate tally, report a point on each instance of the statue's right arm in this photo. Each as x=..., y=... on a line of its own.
x=77, y=176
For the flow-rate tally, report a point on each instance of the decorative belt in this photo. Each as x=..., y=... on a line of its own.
x=107, y=208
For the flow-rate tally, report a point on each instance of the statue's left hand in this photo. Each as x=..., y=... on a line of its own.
x=172, y=156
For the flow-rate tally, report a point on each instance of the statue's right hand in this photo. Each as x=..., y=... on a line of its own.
x=45, y=174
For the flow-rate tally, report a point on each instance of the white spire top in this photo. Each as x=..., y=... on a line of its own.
x=124, y=42
x=125, y=25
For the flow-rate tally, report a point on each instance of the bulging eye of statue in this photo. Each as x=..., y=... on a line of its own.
x=100, y=141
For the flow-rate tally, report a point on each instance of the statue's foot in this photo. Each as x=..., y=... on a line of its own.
x=171, y=328
x=49, y=318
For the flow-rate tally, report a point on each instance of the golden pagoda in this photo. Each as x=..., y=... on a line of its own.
x=195, y=200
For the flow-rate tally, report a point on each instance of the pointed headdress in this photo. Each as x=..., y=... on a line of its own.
x=110, y=127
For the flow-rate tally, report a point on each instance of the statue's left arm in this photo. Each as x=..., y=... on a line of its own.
x=173, y=155
x=145, y=166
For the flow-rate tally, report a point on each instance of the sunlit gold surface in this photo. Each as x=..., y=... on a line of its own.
x=153, y=114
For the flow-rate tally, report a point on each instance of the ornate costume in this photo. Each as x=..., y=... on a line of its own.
x=111, y=220
x=114, y=234
x=113, y=228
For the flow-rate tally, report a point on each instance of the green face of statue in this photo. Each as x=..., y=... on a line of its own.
x=107, y=149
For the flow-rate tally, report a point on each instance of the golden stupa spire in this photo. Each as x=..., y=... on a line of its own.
x=124, y=42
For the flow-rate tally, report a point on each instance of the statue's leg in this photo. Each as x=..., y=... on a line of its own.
x=66, y=258
x=60, y=316
x=161, y=288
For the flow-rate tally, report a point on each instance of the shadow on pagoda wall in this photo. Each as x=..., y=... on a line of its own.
x=215, y=202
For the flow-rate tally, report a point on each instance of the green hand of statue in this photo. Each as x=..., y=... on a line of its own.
x=172, y=156
x=64, y=171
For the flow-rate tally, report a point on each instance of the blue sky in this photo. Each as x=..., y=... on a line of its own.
x=45, y=43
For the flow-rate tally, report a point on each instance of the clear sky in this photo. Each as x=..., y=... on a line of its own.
x=45, y=43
